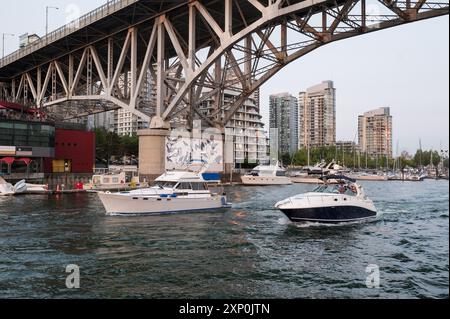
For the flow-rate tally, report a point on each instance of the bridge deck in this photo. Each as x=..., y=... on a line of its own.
x=108, y=19
x=113, y=18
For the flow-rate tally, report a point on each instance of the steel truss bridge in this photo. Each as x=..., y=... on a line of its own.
x=163, y=60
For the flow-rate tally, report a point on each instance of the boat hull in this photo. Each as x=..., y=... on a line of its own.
x=370, y=178
x=337, y=214
x=116, y=204
x=306, y=180
x=265, y=180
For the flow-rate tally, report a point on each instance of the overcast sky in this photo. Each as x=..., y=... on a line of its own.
x=405, y=68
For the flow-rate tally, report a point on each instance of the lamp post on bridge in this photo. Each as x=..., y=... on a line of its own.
x=46, y=17
x=3, y=42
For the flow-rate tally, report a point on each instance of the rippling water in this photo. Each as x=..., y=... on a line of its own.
x=251, y=251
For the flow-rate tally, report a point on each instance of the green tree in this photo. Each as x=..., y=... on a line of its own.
x=109, y=144
x=130, y=145
x=286, y=159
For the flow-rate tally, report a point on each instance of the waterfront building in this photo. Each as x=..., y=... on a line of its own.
x=375, y=132
x=317, y=116
x=126, y=123
x=346, y=146
x=104, y=120
x=27, y=39
x=74, y=150
x=30, y=146
x=250, y=139
x=25, y=140
x=284, y=117
x=250, y=143
x=120, y=121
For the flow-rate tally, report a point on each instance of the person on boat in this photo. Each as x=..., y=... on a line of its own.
x=342, y=189
x=351, y=190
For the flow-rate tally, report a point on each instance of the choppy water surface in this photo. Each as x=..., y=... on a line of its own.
x=251, y=251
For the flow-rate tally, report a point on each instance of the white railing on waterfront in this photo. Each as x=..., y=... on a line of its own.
x=85, y=20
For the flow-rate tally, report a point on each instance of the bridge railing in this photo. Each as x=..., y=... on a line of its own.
x=85, y=20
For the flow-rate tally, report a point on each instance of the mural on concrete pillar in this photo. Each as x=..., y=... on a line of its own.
x=185, y=152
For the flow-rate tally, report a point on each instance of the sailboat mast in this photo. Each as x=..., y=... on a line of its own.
x=420, y=156
x=431, y=158
x=309, y=156
x=359, y=159
x=367, y=161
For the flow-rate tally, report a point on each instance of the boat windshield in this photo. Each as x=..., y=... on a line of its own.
x=347, y=189
x=166, y=184
x=281, y=173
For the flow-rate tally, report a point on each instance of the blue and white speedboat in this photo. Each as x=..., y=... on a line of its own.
x=342, y=201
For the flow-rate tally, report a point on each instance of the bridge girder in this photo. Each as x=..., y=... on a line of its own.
x=177, y=66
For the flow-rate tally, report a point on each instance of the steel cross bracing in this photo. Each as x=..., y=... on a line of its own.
x=177, y=65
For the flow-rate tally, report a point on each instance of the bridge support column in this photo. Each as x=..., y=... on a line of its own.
x=152, y=151
x=228, y=155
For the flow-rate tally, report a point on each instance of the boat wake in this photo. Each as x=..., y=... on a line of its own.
x=327, y=225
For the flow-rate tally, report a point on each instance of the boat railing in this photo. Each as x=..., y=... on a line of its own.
x=80, y=23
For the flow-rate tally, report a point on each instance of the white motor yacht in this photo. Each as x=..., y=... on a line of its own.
x=7, y=189
x=174, y=192
x=330, y=203
x=267, y=175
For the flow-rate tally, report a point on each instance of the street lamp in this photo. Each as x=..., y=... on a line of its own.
x=46, y=17
x=3, y=42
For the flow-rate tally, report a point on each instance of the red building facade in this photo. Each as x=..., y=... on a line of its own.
x=74, y=152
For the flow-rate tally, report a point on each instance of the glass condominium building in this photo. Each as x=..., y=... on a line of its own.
x=317, y=116
x=375, y=132
x=284, y=117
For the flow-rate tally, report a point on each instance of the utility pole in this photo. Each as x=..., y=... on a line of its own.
x=3, y=42
x=46, y=17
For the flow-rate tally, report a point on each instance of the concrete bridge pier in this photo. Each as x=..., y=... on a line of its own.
x=152, y=149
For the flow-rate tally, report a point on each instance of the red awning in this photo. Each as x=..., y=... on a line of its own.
x=8, y=160
x=12, y=106
x=19, y=108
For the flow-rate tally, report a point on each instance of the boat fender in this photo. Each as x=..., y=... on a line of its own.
x=164, y=196
x=174, y=195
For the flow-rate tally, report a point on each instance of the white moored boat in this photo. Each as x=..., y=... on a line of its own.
x=113, y=181
x=7, y=189
x=328, y=203
x=174, y=192
x=267, y=175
